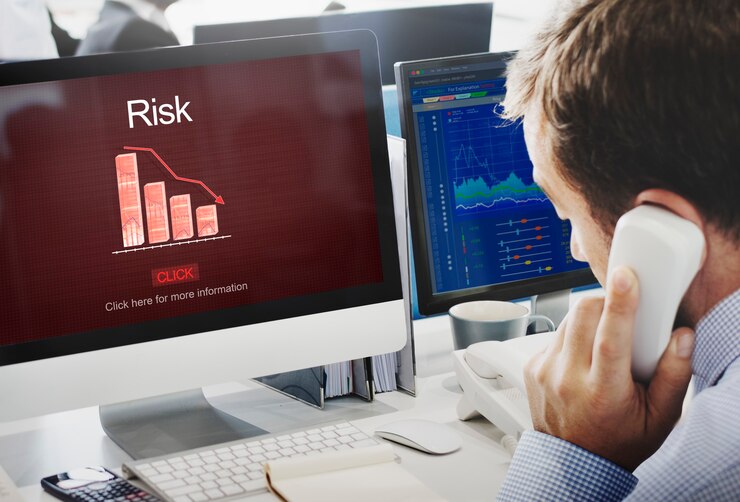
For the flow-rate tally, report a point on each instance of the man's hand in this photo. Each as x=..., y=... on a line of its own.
x=581, y=390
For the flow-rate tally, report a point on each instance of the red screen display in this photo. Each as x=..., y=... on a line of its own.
x=135, y=197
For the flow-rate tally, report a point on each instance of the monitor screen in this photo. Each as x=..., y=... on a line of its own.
x=158, y=194
x=403, y=34
x=481, y=227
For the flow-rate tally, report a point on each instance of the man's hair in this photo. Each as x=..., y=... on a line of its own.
x=638, y=94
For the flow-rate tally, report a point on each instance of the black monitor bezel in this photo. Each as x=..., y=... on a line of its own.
x=428, y=302
x=211, y=54
x=463, y=17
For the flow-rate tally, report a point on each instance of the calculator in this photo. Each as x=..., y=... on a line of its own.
x=94, y=484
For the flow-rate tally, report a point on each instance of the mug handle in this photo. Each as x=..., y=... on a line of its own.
x=538, y=317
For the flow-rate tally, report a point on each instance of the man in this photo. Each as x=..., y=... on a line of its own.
x=629, y=102
x=127, y=25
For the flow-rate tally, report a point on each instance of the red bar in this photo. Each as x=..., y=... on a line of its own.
x=175, y=275
x=129, y=198
x=206, y=219
x=182, y=217
x=157, y=218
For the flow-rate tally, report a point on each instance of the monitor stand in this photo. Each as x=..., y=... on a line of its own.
x=170, y=423
x=553, y=305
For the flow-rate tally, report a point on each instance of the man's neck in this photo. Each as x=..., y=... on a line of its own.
x=718, y=278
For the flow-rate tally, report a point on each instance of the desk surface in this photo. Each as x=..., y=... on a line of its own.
x=32, y=448
x=41, y=446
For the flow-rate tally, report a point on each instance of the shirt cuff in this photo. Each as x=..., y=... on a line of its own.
x=548, y=468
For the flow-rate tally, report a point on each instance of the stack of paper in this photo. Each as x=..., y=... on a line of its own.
x=365, y=474
x=385, y=367
x=338, y=379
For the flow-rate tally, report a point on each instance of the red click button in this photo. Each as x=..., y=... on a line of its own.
x=175, y=275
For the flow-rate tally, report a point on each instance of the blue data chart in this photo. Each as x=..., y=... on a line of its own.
x=487, y=220
x=490, y=168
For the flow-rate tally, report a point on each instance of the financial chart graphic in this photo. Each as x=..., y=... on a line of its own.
x=166, y=219
x=487, y=220
x=488, y=162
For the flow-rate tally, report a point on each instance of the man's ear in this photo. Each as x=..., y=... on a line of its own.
x=672, y=202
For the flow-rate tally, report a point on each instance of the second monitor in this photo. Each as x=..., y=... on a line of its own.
x=403, y=34
x=481, y=227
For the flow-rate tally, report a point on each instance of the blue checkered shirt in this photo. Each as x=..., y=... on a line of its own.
x=700, y=459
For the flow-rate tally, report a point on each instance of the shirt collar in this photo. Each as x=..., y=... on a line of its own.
x=717, y=341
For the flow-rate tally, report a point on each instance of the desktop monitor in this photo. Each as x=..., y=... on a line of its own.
x=403, y=34
x=185, y=216
x=481, y=228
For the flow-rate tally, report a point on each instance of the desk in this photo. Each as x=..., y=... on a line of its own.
x=32, y=448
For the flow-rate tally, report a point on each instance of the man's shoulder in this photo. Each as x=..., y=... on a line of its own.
x=702, y=454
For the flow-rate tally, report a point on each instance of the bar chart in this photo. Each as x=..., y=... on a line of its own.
x=155, y=219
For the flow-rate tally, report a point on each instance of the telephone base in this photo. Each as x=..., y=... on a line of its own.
x=491, y=376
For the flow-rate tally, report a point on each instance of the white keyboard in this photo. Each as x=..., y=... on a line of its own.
x=8, y=490
x=235, y=469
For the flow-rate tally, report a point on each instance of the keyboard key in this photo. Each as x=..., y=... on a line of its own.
x=198, y=497
x=168, y=485
x=254, y=484
x=214, y=493
x=183, y=490
x=232, y=489
x=208, y=485
x=363, y=443
x=159, y=478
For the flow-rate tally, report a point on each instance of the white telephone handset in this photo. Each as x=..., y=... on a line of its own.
x=665, y=252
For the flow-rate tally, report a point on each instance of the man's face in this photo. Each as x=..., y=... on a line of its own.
x=588, y=241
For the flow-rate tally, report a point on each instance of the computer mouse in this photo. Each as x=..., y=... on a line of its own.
x=423, y=435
